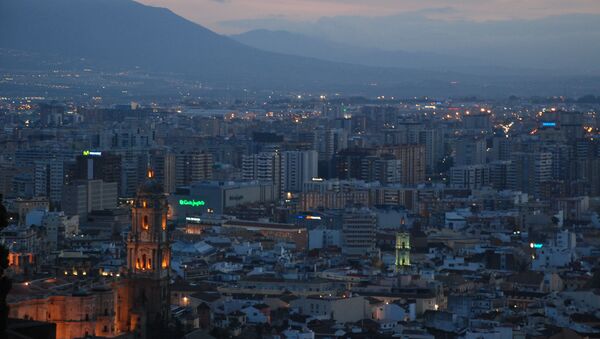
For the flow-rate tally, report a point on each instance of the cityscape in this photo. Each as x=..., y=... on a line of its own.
x=248, y=182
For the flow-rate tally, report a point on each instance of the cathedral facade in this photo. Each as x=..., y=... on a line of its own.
x=137, y=303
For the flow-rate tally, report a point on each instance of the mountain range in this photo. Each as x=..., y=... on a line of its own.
x=292, y=43
x=121, y=35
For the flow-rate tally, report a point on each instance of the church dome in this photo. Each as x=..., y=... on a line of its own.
x=151, y=185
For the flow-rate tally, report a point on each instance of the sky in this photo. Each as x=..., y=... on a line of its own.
x=557, y=35
x=235, y=16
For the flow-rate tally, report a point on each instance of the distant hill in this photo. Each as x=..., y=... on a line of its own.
x=123, y=34
x=307, y=46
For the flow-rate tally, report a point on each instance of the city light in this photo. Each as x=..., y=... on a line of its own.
x=193, y=203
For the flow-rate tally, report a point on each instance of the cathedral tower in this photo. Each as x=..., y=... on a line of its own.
x=143, y=299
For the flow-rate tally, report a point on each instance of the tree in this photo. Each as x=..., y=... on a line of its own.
x=5, y=282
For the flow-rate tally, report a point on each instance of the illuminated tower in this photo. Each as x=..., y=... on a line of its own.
x=143, y=301
x=402, y=250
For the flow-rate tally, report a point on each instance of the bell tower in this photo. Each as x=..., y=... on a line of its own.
x=402, y=247
x=148, y=248
x=144, y=299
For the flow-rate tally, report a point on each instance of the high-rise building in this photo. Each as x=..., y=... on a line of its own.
x=473, y=176
x=529, y=171
x=264, y=167
x=83, y=196
x=192, y=166
x=501, y=148
x=408, y=132
x=478, y=122
x=359, y=232
x=412, y=157
x=385, y=169
x=298, y=167
x=469, y=151
x=499, y=171
x=330, y=141
x=49, y=179
x=163, y=163
x=133, y=168
x=98, y=165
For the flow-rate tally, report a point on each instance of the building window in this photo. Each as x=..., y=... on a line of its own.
x=145, y=223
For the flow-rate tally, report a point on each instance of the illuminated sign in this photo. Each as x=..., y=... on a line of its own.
x=548, y=124
x=193, y=203
x=89, y=153
x=309, y=217
x=536, y=245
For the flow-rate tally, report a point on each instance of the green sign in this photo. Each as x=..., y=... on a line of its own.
x=88, y=153
x=193, y=203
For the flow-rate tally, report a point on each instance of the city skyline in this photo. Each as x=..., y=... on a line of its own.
x=336, y=169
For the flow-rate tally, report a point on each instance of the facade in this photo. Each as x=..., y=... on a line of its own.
x=49, y=178
x=298, y=167
x=137, y=303
x=192, y=166
x=162, y=162
x=472, y=176
x=144, y=293
x=402, y=250
x=77, y=315
x=339, y=309
x=359, y=232
x=530, y=171
x=216, y=196
x=84, y=196
x=263, y=167
x=470, y=151
x=98, y=165
x=413, y=160
x=58, y=227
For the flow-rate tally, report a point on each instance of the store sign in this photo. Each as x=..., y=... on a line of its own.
x=193, y=203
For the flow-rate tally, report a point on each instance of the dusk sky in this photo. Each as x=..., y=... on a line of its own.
x=221, y=15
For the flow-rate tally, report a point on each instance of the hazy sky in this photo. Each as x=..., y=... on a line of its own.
x=221, y=15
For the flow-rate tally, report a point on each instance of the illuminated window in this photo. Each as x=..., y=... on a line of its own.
x=165, y=262
x=145, y=223
x=144, y=204
x=164, y=223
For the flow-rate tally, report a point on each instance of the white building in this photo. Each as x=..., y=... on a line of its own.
x=473, y=176
x=58, y=227
x=49, y=179
x=298, y=167
x=322, y=238
x=264, y=166
x=340, y=309
x=84, y=196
